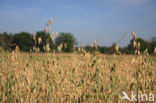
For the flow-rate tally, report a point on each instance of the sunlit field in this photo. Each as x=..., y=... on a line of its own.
x=54, y=70
x=77, y=51
x=75, y=77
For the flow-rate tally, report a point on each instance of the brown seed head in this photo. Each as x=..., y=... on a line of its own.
x=155, y=50
x=134, y=35
x=34, y=37
x=56, y=34
x=95, y=42
x=116, y=47
x=45, y=29
x=138, y=45
x=52, y=36
x=134, y=44
x=48, y=23
x=79, y=49
x=92, y=45
x=83, y=45
x=50, y=20
x=39, y=40
x=65, y=45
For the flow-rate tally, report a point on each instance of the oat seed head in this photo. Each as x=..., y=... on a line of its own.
x=155, y=50
x=45, y=30
x=56, y=34
x=134, y=44
x=39, y=40
x=34, y=37
x=52, y=36
x=50, y=20
x=65, y=45
x=92, y=45
x=48, y=23
x=138, y=45
x=116, y=47
x=95, y=42
x=83, y=46
x=134, y=35
x=79, y=49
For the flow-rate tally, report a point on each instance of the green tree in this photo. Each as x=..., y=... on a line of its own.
x=143, y=45
x=104, y=49
x=45, y=39
x=152, y=46
x=68, y=39
x=23, y=40
x=5, y=40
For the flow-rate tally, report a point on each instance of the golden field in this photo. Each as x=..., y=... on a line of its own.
x=74, y=77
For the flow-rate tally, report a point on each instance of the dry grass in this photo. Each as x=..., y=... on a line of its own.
x=75, y=78
x=47, y=77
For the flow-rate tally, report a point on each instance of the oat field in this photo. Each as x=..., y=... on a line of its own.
x=78, y=77
x=75, y=77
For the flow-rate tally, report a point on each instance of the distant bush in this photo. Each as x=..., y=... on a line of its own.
x=23, y=40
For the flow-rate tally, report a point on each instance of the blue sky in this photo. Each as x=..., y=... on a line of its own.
x=88, y=20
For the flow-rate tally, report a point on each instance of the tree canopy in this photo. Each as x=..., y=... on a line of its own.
x=67, y=40
x=26, y=43
x=23, y=40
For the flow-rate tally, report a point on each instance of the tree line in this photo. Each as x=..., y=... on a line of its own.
x=26, y=43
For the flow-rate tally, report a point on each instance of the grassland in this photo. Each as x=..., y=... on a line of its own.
x=74, y=78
